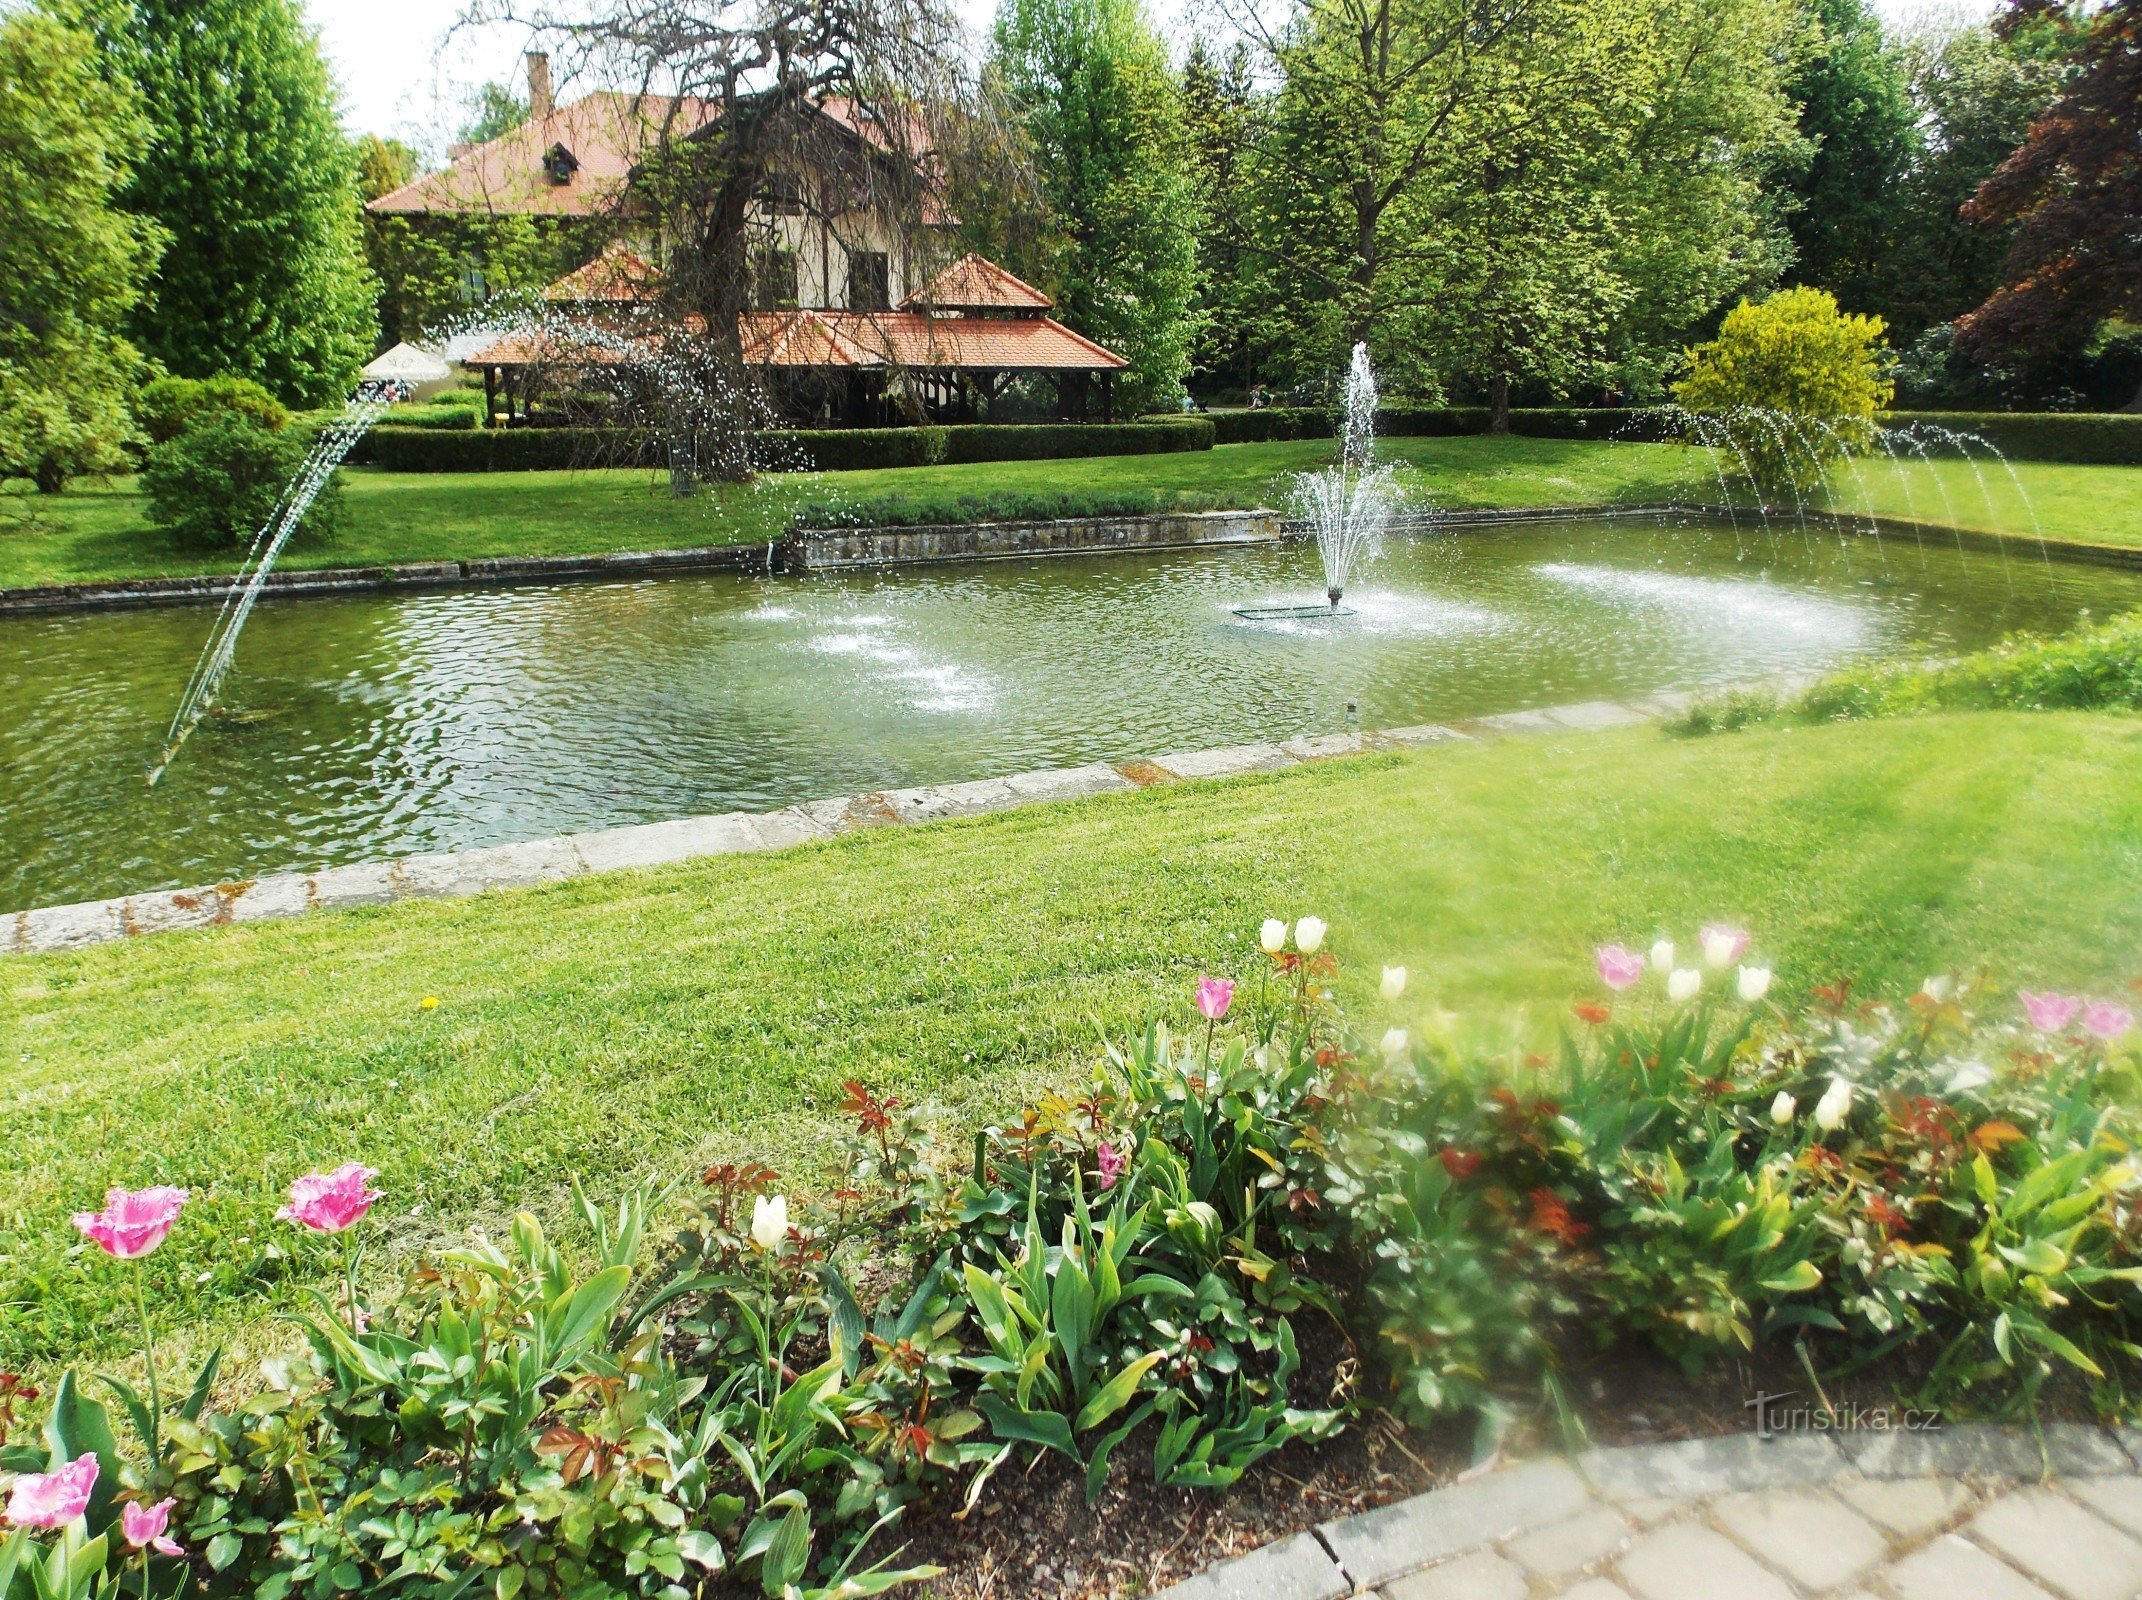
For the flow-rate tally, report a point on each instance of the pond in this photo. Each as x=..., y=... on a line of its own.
x=388, y=725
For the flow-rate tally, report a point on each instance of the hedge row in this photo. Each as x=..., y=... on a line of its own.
x=2097, y=439
x=1427, y=422
x=402, y=449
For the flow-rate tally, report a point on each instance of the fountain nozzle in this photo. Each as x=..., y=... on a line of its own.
x=1334, y=596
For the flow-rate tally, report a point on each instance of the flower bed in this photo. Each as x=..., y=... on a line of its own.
x=743, y=1388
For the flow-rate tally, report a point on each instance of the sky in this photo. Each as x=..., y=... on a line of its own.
x=401, y=75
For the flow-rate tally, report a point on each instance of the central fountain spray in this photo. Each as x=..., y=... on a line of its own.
x=1348, y=505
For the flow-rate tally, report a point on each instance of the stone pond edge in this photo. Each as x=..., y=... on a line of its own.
x=522, y=865
x=1353, y=1555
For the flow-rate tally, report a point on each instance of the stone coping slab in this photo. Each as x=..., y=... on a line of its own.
x=2039, y=1514
x=530, y=862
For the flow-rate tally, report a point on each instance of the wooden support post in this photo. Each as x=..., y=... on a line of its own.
x=490, y=394
x=1108, y=397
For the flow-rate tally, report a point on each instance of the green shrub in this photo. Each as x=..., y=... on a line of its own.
x=1053, y=440
x=216, y=484
x=2104, y=439
x=440, y=413
x=166, y=407
x=2097, y=668
x=852, y=449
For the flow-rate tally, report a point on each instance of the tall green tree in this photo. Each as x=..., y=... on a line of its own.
x=1856, y=114
x=1219, y=113
x=1091, y=82
x=74, y=264
x=249, y=171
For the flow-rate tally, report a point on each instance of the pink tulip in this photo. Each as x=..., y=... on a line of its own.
x=132, y=1223
x=144, y=1526
x=2105, y=1020
x=1111, y=1162
x=328, y=1202
x=1214, y=996
x=1619, y=968
x=53, y=1499
x=2049, y=1012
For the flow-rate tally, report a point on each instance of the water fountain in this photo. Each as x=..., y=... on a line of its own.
x=1347, y=506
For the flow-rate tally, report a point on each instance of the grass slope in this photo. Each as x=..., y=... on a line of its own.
x=642, y=1022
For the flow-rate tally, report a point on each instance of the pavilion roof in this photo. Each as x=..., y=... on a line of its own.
x=973, y=283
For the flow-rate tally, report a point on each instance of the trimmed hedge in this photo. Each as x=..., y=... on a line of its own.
x=1401, y=421
x=2082, y=438
x=434, y=449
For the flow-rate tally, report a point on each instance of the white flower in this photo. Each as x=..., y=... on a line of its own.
x=1272, y=937
x=1394, y=1044
x=1754, y=983
x=1969, y=1075
x=1394, y=982
x=1683, y=984
x=1938, y=989
x=1831, y=1109
x=1662, y=956
x=1782, y=1108
x=1309, y=935
x=769, y=1221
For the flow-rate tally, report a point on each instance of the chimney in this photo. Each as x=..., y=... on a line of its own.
x=540, y=101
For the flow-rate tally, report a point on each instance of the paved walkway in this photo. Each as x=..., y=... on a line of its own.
x=1962, y=1513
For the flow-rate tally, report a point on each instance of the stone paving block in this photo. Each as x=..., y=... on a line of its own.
x=1569, y=1547
x=1645, y=1509
x=1596, y=1589
x=1394, y=1539
x=1803, y=1533
x=367, y=883
x=1422, y=733
x=1324, y=746
x=1292, y=1569
x=1666, y=703
x=1686, y=1560
x=1910, y=1508
x=1984, y=1449
x=1519, y=722
x=11, y=933
x=1952, y=1568
x=844, y=813
x=1691, y=1467
x=1069, y=783
x=942, y=801
x=503, y=866
x=1225, y=763
x=1591, y=715
x=777, y=830
x=70, y=927
x=1483, y=1575
x=168, y=910
x=286, y=894
x=2117, y=1500
x=2061, y=1545
x=655, y=844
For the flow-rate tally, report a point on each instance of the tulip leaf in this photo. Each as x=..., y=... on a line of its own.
x=1008, y=1421
x=573, y=1318
x=1113, y=1395
x=202, y=1385
x=80, y=1426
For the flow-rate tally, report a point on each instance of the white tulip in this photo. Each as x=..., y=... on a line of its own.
x=1662, y=956
x=1754, y=983
x=769, y=1221
x=1683, y=984
x=1782, y=1108
x=1938, y=989
x=1836, y=1102
x=1718, y=947
x=1394, y=982
x=1272, y=937
x=1309, y=935
x=1394, y=1044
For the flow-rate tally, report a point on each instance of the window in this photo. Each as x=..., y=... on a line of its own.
x=474, y=290
x=560, y=164
x=783, y=194
x=869, y=281
x=776, y=280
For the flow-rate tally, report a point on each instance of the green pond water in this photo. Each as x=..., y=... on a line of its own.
x=376, y=726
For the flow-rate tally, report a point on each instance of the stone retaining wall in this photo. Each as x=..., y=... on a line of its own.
x=535, y=861
x=827, y=549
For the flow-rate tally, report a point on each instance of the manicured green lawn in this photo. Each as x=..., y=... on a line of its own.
x=100, y=531
x=2093, y=505
x=627, y=1024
